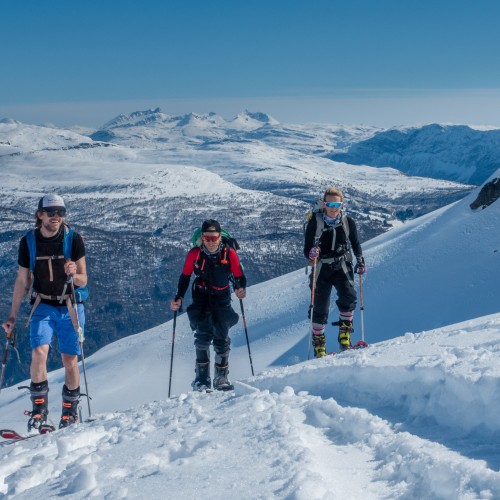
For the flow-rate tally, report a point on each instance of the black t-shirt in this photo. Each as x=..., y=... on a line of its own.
x=53, y=246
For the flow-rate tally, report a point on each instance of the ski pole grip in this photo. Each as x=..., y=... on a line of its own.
x=10, y=333
x=177, y=297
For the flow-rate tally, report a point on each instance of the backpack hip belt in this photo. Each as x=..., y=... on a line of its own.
x=219, y=288
x=335, y=260
x=60, y=298
x=206, y=287
x=332, y=260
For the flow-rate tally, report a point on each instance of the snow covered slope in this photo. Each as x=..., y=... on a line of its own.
x=441, y=268
x=415, y=416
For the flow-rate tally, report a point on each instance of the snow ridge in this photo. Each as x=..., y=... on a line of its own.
x=453, y=152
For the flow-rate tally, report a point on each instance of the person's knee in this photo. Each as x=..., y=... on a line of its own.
x=39, y=354
x=222, y=344
x=202, y=344
x=69, y=361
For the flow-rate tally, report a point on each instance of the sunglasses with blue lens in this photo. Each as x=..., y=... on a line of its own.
x=333, y=204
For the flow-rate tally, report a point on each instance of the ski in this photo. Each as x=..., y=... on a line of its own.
x=204, y=391
x=225, y=388
x=358, y=345
x=46, y=429
x=11, y=436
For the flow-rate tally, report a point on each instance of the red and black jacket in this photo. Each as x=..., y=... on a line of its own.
x=213, y=271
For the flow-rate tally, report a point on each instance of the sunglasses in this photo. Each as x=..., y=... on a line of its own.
x=58, y=211
x=210, y=238
x=333, y=204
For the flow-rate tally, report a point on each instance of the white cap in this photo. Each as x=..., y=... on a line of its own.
x=51, y=201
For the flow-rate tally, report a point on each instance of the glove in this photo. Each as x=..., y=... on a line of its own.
x=314, y=253
x=360, y=267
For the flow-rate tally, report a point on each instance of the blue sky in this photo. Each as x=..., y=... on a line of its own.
x=379, y=62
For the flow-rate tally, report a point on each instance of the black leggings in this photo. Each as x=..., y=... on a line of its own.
x=210, y=319
x=331, y=275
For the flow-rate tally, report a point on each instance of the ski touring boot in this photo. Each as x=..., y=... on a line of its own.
x=345, y=330
x=39, y=393
x=318, y=340
x=70, y=400
x=221, y=382
x=202, y=382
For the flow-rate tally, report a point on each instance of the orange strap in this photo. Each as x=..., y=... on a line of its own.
x=67, y=298
x=50, y=259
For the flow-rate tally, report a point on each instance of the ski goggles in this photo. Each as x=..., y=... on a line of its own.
x=333, y=204
x=61, y=212
x=210, y=238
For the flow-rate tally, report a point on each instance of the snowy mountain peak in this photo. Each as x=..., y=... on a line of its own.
x=10, y=121
x=251, y=121
x=137, y=118
x=203, y=120
x=261, y=117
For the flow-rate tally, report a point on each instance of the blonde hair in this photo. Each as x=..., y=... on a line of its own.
x=333, y=191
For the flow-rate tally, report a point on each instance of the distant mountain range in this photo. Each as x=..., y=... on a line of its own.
x=450, y=152
x=453, y=152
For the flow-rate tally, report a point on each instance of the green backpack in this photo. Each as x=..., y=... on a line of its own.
x=227, y=239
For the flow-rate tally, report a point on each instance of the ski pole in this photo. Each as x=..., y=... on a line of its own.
x=81, y=338
x=361, y=307
x=246, y=333
x=172, y=354
x=313, y=290
x=11, y=337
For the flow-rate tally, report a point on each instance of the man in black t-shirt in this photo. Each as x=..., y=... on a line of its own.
x=52, y=312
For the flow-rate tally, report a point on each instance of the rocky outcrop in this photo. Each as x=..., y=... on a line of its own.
x=489, y=193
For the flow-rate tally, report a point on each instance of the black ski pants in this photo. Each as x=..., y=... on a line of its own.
x=332, y=275
x=211, y=317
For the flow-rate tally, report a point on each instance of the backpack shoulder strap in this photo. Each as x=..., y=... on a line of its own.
x=199, y=262
x=345, y=225
x=224, y=255
x=68, y=242
x=31, y=241
x=320, y=226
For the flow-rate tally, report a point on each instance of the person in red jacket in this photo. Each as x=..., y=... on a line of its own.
x=211, y=315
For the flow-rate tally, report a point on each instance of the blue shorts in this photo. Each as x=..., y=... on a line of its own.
x=47, y=320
